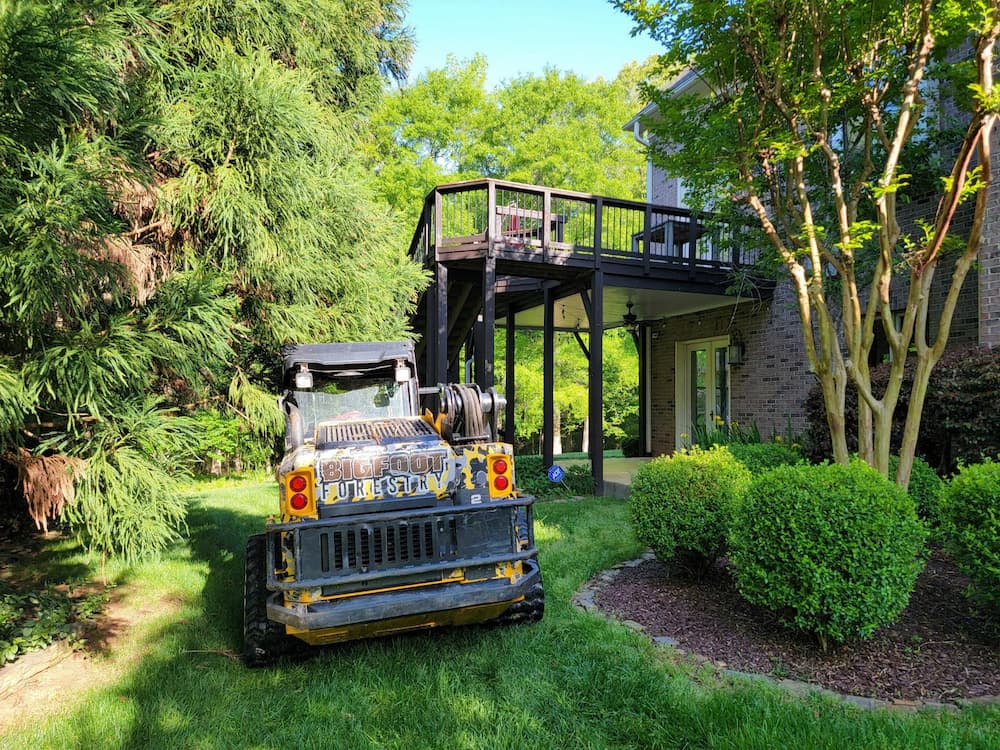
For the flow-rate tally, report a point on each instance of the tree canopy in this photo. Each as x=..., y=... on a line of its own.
x=552, y=129
x=822, y=119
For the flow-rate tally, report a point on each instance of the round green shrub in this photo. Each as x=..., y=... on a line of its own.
x=925, y=488
x=970, y=520
x=761, y=457
x=834, y=549
x=680, y=505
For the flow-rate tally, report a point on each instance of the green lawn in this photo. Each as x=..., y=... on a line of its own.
x=572, y=681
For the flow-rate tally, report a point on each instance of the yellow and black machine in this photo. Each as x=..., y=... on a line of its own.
x=391, y=519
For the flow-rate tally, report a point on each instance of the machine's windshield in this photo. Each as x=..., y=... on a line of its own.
x=345, y=399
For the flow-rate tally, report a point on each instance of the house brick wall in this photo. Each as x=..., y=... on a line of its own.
x=988, y=277
x=769, y=389
x=965, y=322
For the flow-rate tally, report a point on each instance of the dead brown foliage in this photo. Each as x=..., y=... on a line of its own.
x=48, y=483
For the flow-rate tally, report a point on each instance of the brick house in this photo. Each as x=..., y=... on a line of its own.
x=691, y=378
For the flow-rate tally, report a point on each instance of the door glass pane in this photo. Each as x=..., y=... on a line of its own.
x=721, y=385
x=699, y=374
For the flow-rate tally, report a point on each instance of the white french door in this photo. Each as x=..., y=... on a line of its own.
x=702, y=385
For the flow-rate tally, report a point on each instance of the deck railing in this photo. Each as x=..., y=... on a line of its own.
x=538, y=221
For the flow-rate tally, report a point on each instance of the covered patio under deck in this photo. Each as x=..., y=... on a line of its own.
x=512, y=255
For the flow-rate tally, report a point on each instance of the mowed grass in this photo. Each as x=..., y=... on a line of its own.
x=572, y=681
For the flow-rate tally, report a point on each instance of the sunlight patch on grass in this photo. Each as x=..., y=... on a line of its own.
x=547, y=533
x=172, y=718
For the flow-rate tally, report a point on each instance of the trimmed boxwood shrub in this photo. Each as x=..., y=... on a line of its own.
x=834, y=549
x=970, y=520
x=761, y=457
x=680, y=505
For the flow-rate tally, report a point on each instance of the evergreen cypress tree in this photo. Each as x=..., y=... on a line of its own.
x=179, y=196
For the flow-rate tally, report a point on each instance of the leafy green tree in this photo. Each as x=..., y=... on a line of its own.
x=817, y=117
x=558, y=130
x=551, y=129
x=570, y=393
x=422, y=134
x=83, y=336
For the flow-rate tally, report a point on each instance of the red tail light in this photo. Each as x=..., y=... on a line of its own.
x=501, y=475
x=298, y=493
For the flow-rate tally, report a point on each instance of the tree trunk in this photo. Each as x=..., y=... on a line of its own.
x=833, y=400
x=914, y=412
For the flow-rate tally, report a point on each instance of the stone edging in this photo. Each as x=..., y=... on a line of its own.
x=585, y=599
x=14, y=675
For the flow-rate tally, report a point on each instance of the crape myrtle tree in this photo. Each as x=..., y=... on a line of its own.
x=823, y=118
x=180, y=195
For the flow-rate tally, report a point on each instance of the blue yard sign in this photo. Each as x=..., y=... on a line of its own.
x=556, y=473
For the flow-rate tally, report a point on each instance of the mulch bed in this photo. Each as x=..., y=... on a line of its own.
x=939, y=650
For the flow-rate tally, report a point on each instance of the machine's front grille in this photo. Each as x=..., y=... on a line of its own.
x=422, y=544
x=376, y=429
x=357, y=549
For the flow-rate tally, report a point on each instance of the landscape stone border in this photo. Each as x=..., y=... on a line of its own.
x=585, y=599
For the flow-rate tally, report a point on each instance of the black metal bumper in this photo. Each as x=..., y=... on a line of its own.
x=417, y=545
x=365, y=608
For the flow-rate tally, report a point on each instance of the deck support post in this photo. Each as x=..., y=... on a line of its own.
x=642, y=344
x=486, y=343
x=595, y=407
x=548, y=376
x=430, y=337
x=508, y=381
x=441, y=324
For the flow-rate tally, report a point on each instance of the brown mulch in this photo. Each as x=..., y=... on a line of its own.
x=938, y=650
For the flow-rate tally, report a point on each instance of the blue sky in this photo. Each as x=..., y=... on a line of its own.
x=587, y=37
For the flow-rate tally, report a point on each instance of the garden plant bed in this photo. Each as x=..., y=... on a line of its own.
x=939, y=650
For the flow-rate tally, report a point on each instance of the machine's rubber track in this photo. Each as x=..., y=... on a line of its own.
x=264, y=641
x=529, y=609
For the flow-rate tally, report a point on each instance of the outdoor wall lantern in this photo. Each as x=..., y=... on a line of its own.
x=735, y=352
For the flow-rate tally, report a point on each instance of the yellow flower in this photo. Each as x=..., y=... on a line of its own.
x=778, y=439
x=684, y=436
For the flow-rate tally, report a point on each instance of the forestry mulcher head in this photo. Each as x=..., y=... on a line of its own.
x=390, y=519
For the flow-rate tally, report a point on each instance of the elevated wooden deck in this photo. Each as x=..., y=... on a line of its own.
x=526, y=225
x=504, y=251
x=529, y=238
